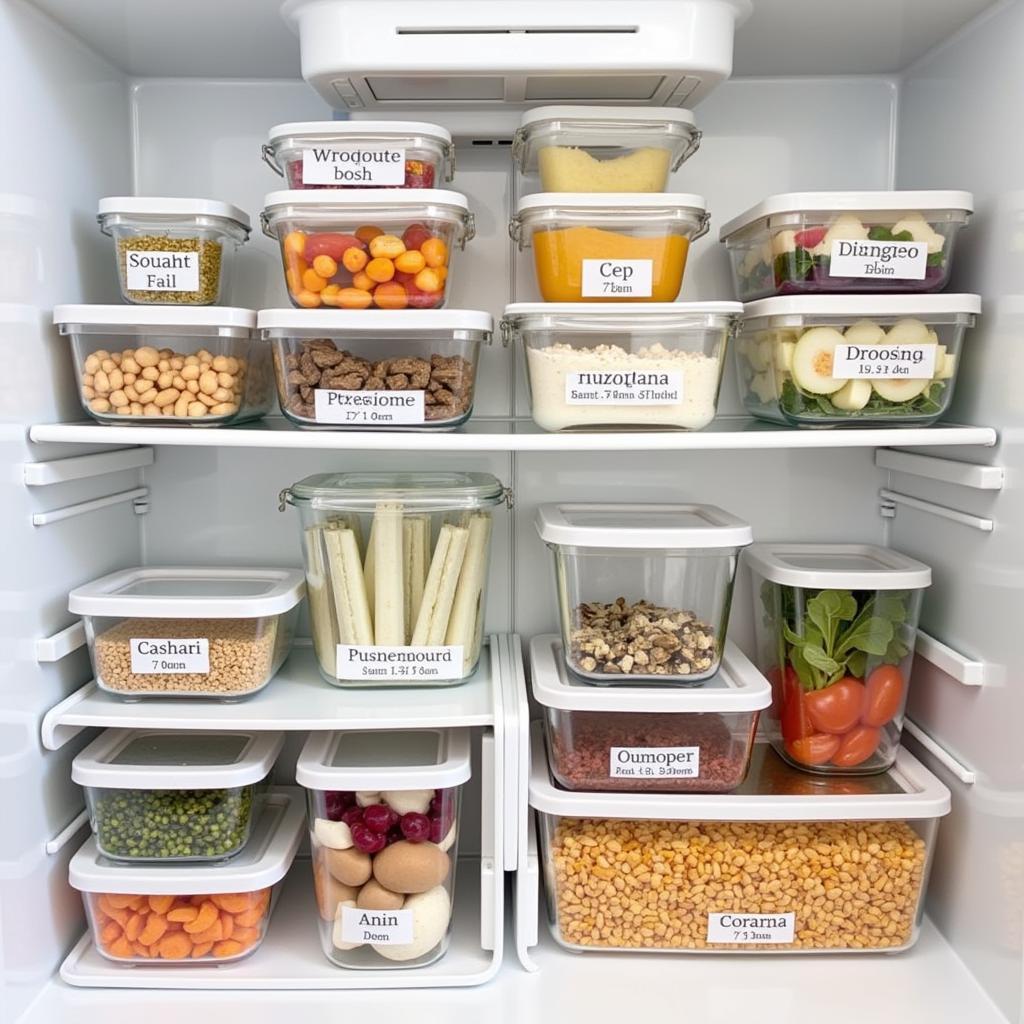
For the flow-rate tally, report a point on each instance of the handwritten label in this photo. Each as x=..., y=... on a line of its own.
x=158, y=270
x=355, y=165
x=595, y=387
x=360, y=662
x=378, y=408
x=751, y=929
x=619, y=278
x=654, y=762
x=381, y=927
x=857, y=362
x=904, y=261
x=170, y=657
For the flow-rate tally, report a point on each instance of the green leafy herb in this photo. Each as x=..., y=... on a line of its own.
x=798, y=404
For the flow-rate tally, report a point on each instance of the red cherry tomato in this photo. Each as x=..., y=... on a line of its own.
x=794, y=723
x=774, y=677
x=330, y=244
x=415, y=235
x=883, y=696
x=818, y=748
x=857, y=746
x=838, y=707
x=810, y=237
x=423, y=300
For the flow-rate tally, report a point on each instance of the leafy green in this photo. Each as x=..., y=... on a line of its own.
x=936, y=259
x=798, y=404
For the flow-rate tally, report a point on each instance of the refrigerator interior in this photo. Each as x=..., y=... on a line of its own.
x=175, y=99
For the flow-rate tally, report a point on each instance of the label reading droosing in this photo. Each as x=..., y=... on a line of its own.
x=904, y=261
x=391, y=662
x=629, y=387
x=381, y=927
x=374, y=407
x=354, y=165
x=751, y=929
x=156, y=270
x=911, y=362
x=170, y=657
x=654, y=762
x=620, y=278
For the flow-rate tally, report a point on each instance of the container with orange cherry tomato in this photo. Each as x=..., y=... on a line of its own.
x=836, y=625
x=368, y=248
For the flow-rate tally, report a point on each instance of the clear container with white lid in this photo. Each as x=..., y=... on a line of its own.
x=836, y=626
x=157, y=796
x=195, y=365
x=384, y=829
x=783, y=864
x=604, y=149
x=396, y=572
x=609, y=246
x=643, y=590
x=173, y=251
x=189, y=631
x=852, y=360
x=648, y=739
x=594, y=366
x=868, y=241
x=361, y=154
x=408, y=370
x=190, y=914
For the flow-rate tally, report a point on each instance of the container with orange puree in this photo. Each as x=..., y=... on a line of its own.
x=617, y=247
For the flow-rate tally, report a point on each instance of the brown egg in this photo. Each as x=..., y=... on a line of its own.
x=350, y=867
x=329, y=891
x=373, y=896
x=411, y=867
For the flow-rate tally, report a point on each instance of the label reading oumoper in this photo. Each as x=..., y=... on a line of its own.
x=752, y=929
x=377, y=408
x=158, y=270
x=623, y=279
x=902, y=261
x=381, y=927
x=356, y=662
x=858, y=362
x=654, y=762
x=364, y=166
x=598, y=387
x=170, y=657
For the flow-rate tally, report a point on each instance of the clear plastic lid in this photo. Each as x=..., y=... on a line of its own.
x=202, y=318
x=849, y=566
x=426, y=491
x=126, y=209
x=855, y=307
x=375, y=321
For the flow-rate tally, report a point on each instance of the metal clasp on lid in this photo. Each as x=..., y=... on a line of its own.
x=509, y=497
x=284, y=499
x=270, y=160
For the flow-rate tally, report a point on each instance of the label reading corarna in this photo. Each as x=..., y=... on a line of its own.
x=902, y=261
x=355, y=662
x=156, y=270
x=623, y=387
x=377, y=408
x=752, y=929
x=170, y=657
x=353, y=165
x=624, y=279
x=654, y=762
x=379, y=927
x=857, y=362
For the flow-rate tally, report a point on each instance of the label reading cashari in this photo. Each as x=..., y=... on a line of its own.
x=375, y=407
x=654, y=762
x=905, y=261
x=356, y=165
x=751, y=929
x=619, y=278
x=381, y=927
x=911, y=362
x=156, y=270
x=170, y=657
x=392, y=662
x=629, y=387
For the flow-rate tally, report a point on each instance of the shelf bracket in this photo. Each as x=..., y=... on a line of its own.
x=67, y=833
x=891, y=499
x=60, y=645
x=55, y=734
x=137, y=496
x=81, y=467
x=950, y=471
x=966, y=671
x=966, y=775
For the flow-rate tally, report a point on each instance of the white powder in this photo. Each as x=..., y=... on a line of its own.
x=549, y=368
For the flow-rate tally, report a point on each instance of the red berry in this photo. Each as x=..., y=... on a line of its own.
x=438, y=829
x=366, y=840
x=352, y=815
x=810, y=237
x=416, y=827
x=415, y=235
x=377, y=817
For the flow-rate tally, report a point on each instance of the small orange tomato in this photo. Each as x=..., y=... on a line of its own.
x=442, y=273
x=313, y=282
x=435, y=252
x=354, y=298
x=325, y=266
x=818, y=748
x=388, y=246
x=367, y=233
x=856, y=746
x=884, y=695
x=410, y=262
x=354, y=260
x=308, y=299
x=363, y=282
x=329, y=296
x=294, y=279
x=390, y=295
x=295, y=241
x=427, y=280
x=380, y=270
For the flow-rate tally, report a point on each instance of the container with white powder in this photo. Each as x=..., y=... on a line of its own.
x=594, y=366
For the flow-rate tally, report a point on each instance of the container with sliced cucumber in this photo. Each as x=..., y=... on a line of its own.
x=852, y=360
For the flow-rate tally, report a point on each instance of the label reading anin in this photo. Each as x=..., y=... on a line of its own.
x=357, y=662
x=904, y=261
x=619, y=278
x=381, y=927
x=752, y=929
x=158, y=270
x=379, y=408
x=354, y=165
x=170, y=657
x=654, y=762
x=598, y=387
x=910, y=362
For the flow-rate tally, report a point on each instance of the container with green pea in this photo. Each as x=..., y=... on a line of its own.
x=173, y=795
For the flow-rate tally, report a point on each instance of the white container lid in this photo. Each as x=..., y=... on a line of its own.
x=631, y=311
x=263, y=861
x=856, y=306
x=383, y=129
x=736, y=688
x=383, y=199
x=205, y=317
x=848, y=566
x=377, y=761
x=612, y=200
x=641, y=526
x=170, y=206
x=652, y=116
x=190, y=593
x=385, y=321
x=151, y=759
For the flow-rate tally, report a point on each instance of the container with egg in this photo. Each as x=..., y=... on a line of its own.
x=384, y=829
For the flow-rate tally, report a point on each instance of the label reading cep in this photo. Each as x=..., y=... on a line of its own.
x=170, y=657
x=654, y=762
x=595, y=387
x=157, y=270
x=905, y=261
x=620, y=278
x=381, y=927
x=354, y=165
x=388, y=408
x=910, y=362
x=356, y=662
x=751, y=929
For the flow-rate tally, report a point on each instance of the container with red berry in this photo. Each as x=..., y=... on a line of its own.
x=384, y=828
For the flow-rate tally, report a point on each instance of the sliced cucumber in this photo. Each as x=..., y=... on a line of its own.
x=813, y=357
x=763, y=386
x=899, y=390
x=945, y=365
x=864, y=332
x=784, y=355
x=910, y=332
x=853, y=395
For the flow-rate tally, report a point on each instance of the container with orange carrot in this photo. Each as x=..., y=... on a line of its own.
x=836, y=625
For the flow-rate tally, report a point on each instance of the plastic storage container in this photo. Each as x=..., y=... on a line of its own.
x=190, y=914
x=384, y=828
x=355, y=249
x=611, y=246
x=852, y=360
x=648, y=739
x=784, y=864
x=189, y=632
x=643, y=590
x=845, y=242
x=595, y=366
x=174, y=796
x=161, y=365
x=396, y=571
x=376, y=369
x=361, y=154
x=604, y=149
x=173, y=251
x=836, y=627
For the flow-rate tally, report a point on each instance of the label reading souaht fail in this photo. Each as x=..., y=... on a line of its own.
x=381, y=927
x=157, y=270
x=856, y=362
x=752, y=929
x=654, y=762
x=356, y=165
x=598, y=387
x=379, y=408
x=904, y=261
x=355, y=662
x=622, y=279
x=170, y=657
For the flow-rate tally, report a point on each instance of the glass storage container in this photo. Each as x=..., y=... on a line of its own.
x=852, y=360
x=643, y=590
x=836, y=627
x=845, y=242
x=610, y=246
x=396, y=572
x=389, y=249
x=608, y=366
x=189, y=632
x=384, y=829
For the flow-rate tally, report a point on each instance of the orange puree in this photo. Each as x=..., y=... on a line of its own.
x=559, y=256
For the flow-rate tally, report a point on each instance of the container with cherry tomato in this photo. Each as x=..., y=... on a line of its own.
x=836, y=625
x=368, y=249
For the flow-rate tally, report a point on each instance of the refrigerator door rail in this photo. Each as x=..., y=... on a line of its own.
x=890, y=499
x=81, y=467
x=138, y=496
x=950, y=471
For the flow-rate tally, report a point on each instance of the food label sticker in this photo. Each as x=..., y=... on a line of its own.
x=906, y=362
x=355, y=661
x=158, y=270
x=377, y=408
x=163, y=657
x=751, y=929
x=353, y=165
x=593, y=387
x=654, y=762
x=381, y=927
x=619, y=278
x=905, y=261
